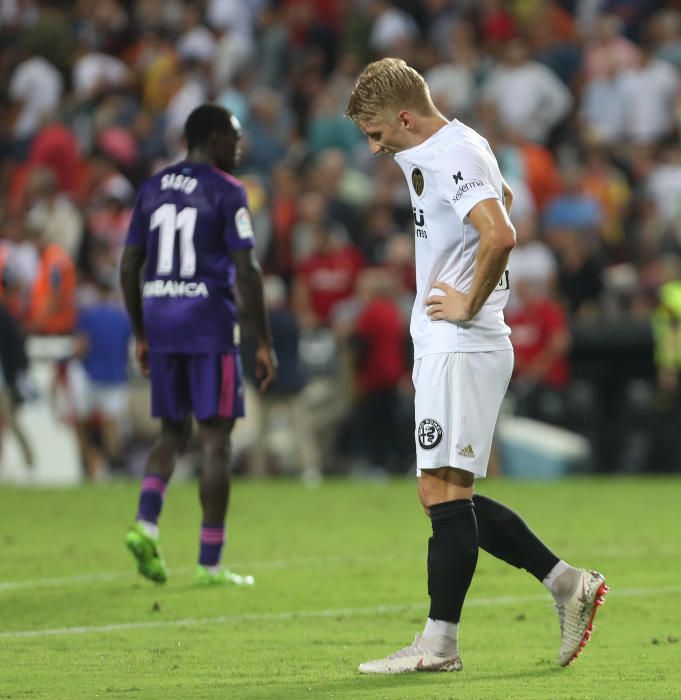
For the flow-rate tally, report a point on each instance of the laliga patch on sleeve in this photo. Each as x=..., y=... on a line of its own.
x=242, y=221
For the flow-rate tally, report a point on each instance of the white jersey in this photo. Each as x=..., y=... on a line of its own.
x=448, y=174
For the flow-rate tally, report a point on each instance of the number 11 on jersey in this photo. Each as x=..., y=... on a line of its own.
x=168, y=220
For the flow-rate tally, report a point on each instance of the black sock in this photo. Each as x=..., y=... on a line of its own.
x=452, y=556
x=505, y=535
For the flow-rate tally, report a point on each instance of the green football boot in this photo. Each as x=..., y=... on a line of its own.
x=147, y=552
x=224, y=577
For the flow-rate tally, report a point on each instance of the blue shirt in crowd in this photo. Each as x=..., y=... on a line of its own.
x=108, y=330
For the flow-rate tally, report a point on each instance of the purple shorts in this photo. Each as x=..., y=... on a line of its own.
x=208, y=386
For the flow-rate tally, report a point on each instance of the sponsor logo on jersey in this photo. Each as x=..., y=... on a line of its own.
x=429, y=433
x=471, y=184
x=419, y=221
x=173, y=288
x=457, y=177
x=417, y=181
x=242, y=221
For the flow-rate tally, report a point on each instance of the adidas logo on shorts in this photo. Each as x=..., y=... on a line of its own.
x=467, y=452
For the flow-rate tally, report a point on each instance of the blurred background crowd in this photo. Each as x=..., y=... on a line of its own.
x=580, y=100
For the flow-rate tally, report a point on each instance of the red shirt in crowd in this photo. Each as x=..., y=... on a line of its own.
x=382, y=330
x=532, y=327
x=329, y=277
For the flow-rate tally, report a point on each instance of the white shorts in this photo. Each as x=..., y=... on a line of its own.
x=87, y=397
x=457, y=402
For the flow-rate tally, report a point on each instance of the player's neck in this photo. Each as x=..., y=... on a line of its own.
x=198, y=155
x=426, y=127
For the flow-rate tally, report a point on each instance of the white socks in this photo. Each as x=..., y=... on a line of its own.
x=561, y=581
x=150, y=528
x=442, y=636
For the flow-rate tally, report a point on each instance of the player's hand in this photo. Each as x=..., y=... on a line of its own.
x=450, y=306
x=142, y=355
x=265, y=366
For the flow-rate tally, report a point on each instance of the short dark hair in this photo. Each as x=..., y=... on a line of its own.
x=204, y=121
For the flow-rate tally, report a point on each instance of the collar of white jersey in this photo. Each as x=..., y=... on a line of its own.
x=430, y=141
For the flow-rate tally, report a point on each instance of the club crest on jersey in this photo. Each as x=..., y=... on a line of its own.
x=417, y=181
x=429, y=433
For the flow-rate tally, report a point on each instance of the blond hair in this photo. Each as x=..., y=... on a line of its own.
x=387, y=86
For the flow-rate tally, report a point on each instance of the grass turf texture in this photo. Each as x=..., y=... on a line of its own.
x=323, y=561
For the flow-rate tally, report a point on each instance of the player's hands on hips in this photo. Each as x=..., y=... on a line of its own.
x=142, y=355
x=265, y=366
x=450, y=306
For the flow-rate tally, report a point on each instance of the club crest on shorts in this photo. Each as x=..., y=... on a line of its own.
x=429, y=433
x=418, y=181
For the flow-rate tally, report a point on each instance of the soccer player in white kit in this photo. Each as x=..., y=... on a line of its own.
x=463, y=360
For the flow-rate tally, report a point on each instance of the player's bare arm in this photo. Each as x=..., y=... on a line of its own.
x=508, y=196
x=497, y=239
x=249, y=282
x=132, y=262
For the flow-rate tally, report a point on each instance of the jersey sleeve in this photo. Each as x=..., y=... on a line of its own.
x=138, y=227
x=464, y=180
x=238, y=224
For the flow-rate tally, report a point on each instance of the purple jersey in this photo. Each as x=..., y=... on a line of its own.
x=189, y=217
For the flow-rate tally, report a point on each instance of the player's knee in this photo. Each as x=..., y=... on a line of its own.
x=442, y=485
x=215, y=452
x=178, y=433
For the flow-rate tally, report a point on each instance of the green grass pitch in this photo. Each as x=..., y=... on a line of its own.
x=340, y=578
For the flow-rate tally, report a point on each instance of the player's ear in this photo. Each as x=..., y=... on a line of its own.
x=406, y=119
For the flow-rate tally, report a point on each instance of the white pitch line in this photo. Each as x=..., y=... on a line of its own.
x=306, y=614
x=131, y=574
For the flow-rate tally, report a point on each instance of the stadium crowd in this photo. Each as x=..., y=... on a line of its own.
x=580, y=100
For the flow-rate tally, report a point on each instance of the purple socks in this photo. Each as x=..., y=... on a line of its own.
x=151, y=498
x=212, y=539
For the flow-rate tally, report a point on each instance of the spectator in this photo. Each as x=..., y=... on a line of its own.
x=53, y=213
x=373, y=435
x=286, y=397
x=325, y=277
x=602, y=113
x=526, y=96
x=665, y=30
x=651, y=93
x=607, y=184
x=197, y=43
x=453, y=81
x=393, y=31
x=531, y=261
x=267, y=133
x=96, y=73
x=13, y=369
x=541, y=340
x=18, y=266
x=579, y=275
x=666, y=322
x=51, y=304
x=98, y=380
x=574, y=208
x=607, y=50
x=35, y=88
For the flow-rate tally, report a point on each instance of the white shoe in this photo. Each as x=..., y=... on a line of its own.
x=416, y=657
x=577, y=613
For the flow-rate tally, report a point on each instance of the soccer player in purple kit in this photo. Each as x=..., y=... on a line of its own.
x=192, y=236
